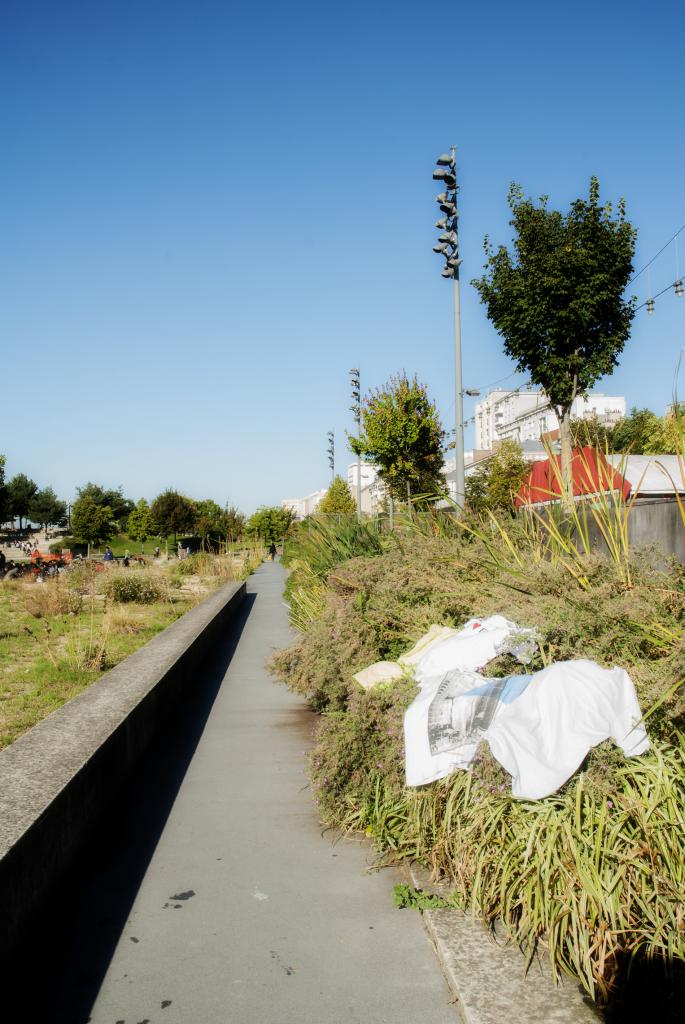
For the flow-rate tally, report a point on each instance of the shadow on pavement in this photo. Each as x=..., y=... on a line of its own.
x=56, y=976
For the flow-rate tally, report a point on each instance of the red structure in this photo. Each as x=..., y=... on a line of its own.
x=592, y=474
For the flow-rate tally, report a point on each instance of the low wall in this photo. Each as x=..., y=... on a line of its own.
x=57, y=780
x=653, y=523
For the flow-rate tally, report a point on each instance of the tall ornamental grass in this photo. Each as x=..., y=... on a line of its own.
x=594, y=875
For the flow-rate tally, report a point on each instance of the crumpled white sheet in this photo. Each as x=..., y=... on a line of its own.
x=468, y=649
x=540, y=727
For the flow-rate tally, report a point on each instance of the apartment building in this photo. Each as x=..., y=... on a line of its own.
x=526, y=414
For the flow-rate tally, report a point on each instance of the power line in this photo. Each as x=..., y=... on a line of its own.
x=657, y=255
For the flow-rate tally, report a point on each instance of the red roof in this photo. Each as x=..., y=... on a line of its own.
x=592, y=474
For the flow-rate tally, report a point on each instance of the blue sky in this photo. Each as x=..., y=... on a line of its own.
x=211, y=211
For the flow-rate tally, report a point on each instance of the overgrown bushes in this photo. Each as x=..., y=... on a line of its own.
x=140, y=587
x=595, y=873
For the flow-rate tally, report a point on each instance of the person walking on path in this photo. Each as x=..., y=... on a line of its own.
x=272, y=551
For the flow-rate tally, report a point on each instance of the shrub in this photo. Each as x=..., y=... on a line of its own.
x=138, y=587
x=51, y=598
x=595, y=871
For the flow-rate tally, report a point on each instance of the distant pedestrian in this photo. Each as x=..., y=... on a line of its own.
x=272, y=551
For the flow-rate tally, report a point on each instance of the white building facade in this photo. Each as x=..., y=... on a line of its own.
x=369, y=475
x=526, y=414
x=303, y=507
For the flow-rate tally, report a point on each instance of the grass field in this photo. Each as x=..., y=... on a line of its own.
x=59, y=636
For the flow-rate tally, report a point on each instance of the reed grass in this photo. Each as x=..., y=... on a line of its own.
x=592, y=876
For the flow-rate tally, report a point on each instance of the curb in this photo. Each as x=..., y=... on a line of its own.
x=489, y=979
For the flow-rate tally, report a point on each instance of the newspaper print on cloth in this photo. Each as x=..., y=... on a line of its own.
x=464, y=708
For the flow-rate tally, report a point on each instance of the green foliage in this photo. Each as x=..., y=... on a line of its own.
x=46, y=508
x=20, y=490
x=214, y=523
x=140, y=523
x=645, y=433
x=338, y=500
x=126, y=587
x=498, y=480
x=407, y=897
x=65, y=544
x=402, y=435
x=270, y=523
x=91, y=523
x=558, y=300
x=314, y=548
x=172, y=513
x=642, y=432
x=112, y=498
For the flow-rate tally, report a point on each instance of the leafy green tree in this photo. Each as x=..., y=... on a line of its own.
x=47, y=509
x=645, y=433
x=270, y=523
x=92, y=523
x=402, y=435
x=172, y=513
x=235, y=522
x=21, y=490
x=210, y=521
x=140, y=523
x=338, y=500
x=497, y=482
x=557, y=300
x=591, y=433
x=113, y=498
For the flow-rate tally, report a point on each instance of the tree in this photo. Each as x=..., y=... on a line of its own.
x=140, y=524
x=495, y=484
x=172, y=513
x=113, y=498
x=591, y=433
x=270, y=523
x=91, y=523
x=46, y=508
x=21, y=490
x=642, y=432
x=210, y=521
x=645, y=433
x=558, y=299
x=234, y=523
x=338, y=500
x=402, y=435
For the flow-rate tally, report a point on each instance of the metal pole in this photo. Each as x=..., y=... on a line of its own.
x=359, y=462
x=459, y=391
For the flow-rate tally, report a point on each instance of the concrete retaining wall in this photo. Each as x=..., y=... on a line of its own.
x=57, y=780
x=653, y=523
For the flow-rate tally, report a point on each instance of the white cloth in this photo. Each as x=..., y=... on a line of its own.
x=540, y=728
x=544, y=734
x=472, y=647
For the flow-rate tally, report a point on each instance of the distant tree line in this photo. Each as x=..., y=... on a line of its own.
x=98, y=514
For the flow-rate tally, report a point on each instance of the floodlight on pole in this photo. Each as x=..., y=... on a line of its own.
x=448, y=247
x=356, y=408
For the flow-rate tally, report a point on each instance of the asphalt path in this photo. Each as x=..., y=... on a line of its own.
x=214, y=896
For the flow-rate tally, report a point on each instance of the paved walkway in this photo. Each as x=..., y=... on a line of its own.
x=246, y=913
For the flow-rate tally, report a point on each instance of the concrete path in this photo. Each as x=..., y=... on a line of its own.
x=246, y=913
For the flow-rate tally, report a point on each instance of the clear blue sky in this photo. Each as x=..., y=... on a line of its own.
x=210, y=211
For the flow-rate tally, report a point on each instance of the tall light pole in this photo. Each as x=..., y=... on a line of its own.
x=356, y=408
x=448, y=247
x=331, y=453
